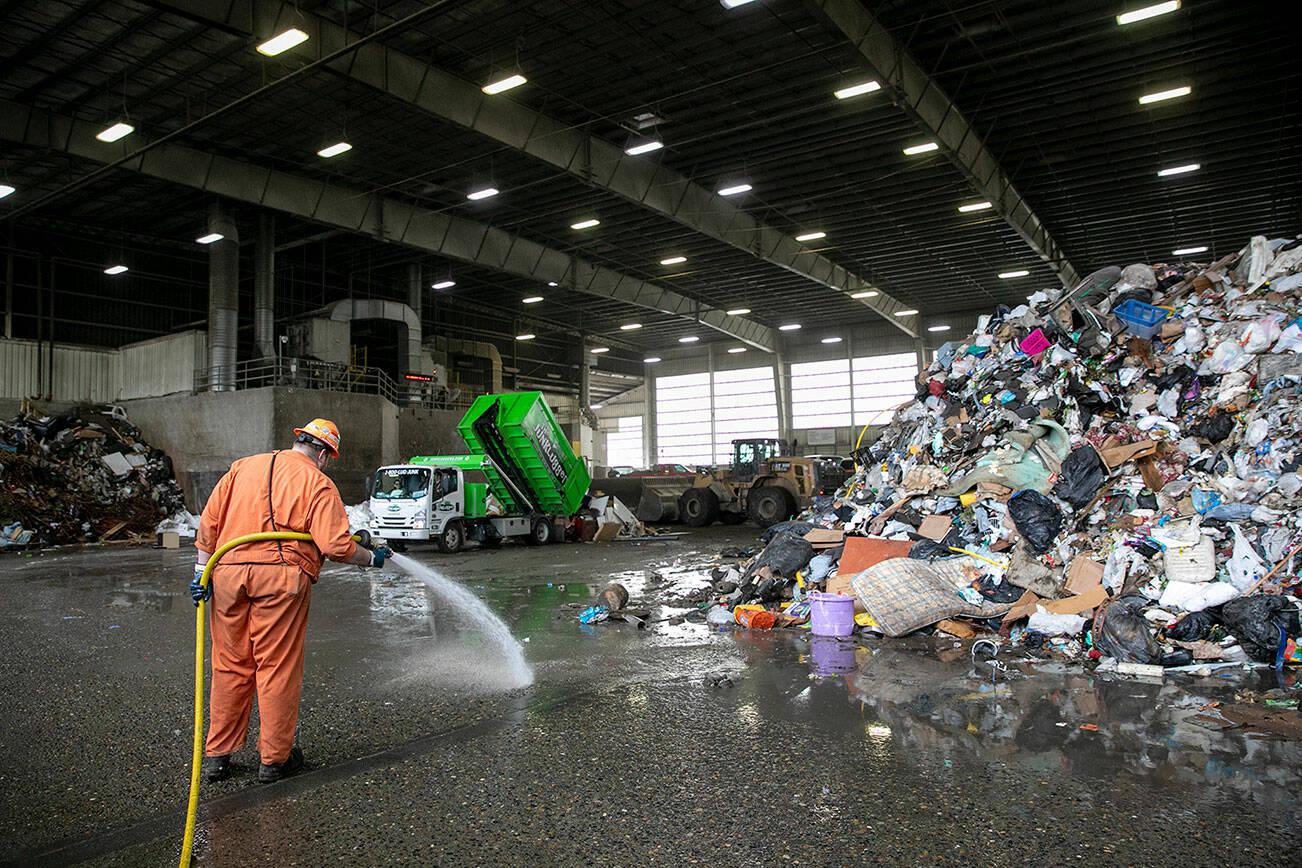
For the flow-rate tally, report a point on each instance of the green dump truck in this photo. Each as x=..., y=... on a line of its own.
x=520, y=479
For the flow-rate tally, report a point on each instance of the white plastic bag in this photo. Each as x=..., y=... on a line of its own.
x=1246, y=566
x=1258, y=336
x=1194, y=597
x=1054, y=625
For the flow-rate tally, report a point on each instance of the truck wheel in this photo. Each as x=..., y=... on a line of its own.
x=541, y=532
x=769, y=505
x=452, y=538
x=698, y=507
x=726, y=517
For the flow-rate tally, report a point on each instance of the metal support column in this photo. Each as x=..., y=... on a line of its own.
x=223, y=301
x=650, y=443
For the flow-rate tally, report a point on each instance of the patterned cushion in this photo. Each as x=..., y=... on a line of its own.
x=903, y=594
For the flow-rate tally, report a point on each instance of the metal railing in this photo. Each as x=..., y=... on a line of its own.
x=331, y=377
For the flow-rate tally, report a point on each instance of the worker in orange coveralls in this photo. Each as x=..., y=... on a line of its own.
x=260, y=592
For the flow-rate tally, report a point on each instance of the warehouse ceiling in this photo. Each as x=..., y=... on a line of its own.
x=1034, y=107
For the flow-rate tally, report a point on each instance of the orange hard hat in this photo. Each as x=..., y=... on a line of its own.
x=323, y=430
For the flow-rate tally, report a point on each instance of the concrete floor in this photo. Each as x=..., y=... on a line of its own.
x=623, y=752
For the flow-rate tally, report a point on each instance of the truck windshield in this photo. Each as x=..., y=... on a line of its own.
x=401, y=483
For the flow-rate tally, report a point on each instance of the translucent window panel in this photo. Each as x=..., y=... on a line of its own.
x=624, y=444
x=881, y=384
x=820, y=394
x=683, y=429
x=745, y=406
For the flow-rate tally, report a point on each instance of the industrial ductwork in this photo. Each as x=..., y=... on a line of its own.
x=264, y=287
x=223, y=301
x=439, y=345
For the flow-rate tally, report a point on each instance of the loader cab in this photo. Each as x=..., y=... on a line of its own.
x=748, y=455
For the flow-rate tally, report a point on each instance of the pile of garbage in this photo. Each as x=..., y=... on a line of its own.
x=82, y=475
x=1111, y=472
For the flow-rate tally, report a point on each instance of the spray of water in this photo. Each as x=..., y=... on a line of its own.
x=471, y=609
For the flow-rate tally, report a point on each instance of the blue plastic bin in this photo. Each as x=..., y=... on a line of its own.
x=1141, y=320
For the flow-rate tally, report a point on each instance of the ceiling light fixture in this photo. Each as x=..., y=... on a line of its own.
x=586, y=224
x=867, y=293
x=938, y=328
x=282, y=42
x=485, y=193
x=5, y=190
x=856, y=89
x=811, y=236
x=739, y=311
x=533, y=299
x=1163, y=95
x=210, y=238
x=690, y=339
x=734, y=189
x=599, y=350
x=733, y=4
x=651, y=360
x=552, y=283
x=118, y=131
x=594, y=406
x=630, y=326
x=673, y=260
x=907, y=312
x=735, y=350
x=527, y=336
x=115, y=269
x=644, y=146
x=789, y=327
x=1008, y=275
x=445, y=284
x=831, y=340
x=914, y=150
x=334, y=150
x=1179, y=170
x=1185, y=251
x=974, y=206
x=1148, y=12
x=504, y=84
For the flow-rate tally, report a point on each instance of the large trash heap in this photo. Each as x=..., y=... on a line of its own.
x=78, y=476
x=1110, y=472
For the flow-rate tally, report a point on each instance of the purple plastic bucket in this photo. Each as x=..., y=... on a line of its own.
x=831, y=614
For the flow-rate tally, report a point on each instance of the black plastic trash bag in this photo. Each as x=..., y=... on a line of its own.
x=928, y=550
x=1256, y=622
x=784, y=555
x=1192, y=627
x=799, y=528
x=1125, y=633
x=1037, y=519
x=1082, y=475
x=1214, y=428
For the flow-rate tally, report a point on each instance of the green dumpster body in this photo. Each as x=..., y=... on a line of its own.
x=532, y=466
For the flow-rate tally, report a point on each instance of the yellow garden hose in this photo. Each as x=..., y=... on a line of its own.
x=188, y=845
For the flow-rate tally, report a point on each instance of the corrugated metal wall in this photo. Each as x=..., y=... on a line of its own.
x=80, y=373
x=162, y=366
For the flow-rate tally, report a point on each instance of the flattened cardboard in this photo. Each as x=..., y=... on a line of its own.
x=1084, y=575
x=824, y=538
x=934, y=527
x=1023, y=608
x=956, y=628
x=1115, y=456
x=1077, y=604
x=862, y=552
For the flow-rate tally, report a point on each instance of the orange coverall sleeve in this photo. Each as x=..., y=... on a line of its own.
x=328, y=524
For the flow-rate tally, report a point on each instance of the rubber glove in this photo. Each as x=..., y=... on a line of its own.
x=197, y=590
x=379, y=555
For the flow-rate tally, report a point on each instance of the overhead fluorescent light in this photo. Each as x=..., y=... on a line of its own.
x=118, y=131
x=907, y=312
x=914, y=150
x=594, y=406
x=735, y=350
x=533, y=299
x=1179, y=170
x=645, y=147
x=867, y=293
x=334, y=150
x=734, y=189
x=630, y=326
x=5, y=190
x=485, y=193
x=1162, y=95
x=282, y=42
x=527, y=336
x=554, y=376
x=651, y=360
x=445, y=284
x=1148, y=12
x=974, y=206
x=733, y=4
x=831, y=340
x=739, y=311
x=210, y=238
x=1007, y=275
x=121, y=269
x=856, y=89
x=938, y=328
x=551, y=283
x=673, y=260
x=690, y=339
x=1185, y=251
x=504, y=84
x=789, y=327
x=811, y=236
x=599, y=350
x=586, y=224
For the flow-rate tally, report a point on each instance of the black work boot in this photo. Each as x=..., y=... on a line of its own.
x=216, y=768
x=269, y=773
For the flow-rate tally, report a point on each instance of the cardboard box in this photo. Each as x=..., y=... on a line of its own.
x=169, y=539
x=934, y=527
x=1084, y=575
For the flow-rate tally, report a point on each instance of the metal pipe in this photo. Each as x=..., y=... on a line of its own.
x=9, y=286
x=264, y=287
x=223, y=301
x=40, y=324
x=49, y=367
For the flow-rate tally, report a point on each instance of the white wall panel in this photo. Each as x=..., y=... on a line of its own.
x=162, y=366
x=80, y=373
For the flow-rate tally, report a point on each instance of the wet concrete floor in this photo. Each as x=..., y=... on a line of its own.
x=669, y=745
